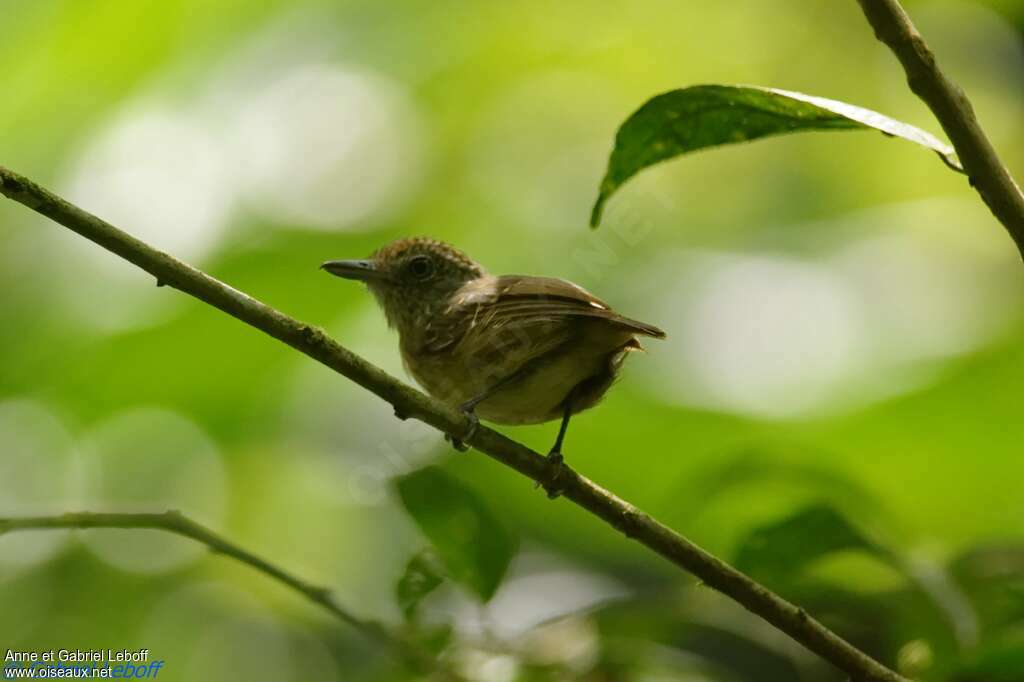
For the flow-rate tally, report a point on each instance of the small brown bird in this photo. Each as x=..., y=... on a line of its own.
x=512, y=349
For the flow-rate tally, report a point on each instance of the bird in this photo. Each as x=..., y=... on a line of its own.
x=509, y=349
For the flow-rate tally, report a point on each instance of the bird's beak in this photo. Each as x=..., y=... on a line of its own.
x=362, y=270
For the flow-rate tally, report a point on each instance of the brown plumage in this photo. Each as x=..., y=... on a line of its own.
x=514, y=349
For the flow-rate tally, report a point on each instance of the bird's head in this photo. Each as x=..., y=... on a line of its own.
x=412, y=279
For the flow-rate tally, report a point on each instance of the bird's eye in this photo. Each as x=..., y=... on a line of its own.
x=421, y=267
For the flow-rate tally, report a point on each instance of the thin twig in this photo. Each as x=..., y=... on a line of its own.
x=986, y=172
x=177, y=523
x=409, y=402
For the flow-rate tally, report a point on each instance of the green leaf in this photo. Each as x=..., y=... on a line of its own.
x=998, y=662
x=992, y=575
x=472, y=543
x=702, y=116
x=421, y=577
x=781, y=549
x=767, y=467
x=434, y=638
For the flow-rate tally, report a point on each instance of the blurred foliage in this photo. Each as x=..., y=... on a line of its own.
x=784, y=548
x=421, y=577
x=470, y=539
x=845, y=338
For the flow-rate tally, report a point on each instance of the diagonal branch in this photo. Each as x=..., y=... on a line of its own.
x=409, y=402
x=178, y=524
x=953, y=110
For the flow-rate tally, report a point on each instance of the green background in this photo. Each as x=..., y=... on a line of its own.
x=844, y=323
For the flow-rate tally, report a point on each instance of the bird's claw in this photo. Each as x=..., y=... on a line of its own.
x=551, y=480
x=460, y=442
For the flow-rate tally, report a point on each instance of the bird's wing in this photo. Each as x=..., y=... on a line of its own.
x=554, y=299
x=534, y=310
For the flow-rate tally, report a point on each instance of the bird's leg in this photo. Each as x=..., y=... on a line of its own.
x=468, y=409
x=553, y=467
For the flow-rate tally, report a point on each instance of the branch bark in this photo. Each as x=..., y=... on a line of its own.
x=178, y=524
x=954, y=112
x=408, y=402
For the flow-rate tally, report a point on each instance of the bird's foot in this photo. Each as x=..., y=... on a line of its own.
x=551, y=480
x=460, y=442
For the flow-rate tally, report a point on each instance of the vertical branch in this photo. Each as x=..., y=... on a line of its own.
x=954, y=112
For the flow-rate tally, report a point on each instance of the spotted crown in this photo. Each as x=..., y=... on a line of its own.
x=406, y=248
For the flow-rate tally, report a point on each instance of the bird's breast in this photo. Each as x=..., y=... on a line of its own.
x=534, y=381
